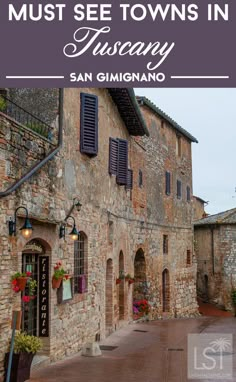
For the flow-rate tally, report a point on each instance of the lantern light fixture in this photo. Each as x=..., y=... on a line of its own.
x=73, y=234
x=26, y=229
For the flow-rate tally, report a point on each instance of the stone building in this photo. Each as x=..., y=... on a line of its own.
x=215, y=238
x=199, y=208
x=129, y=165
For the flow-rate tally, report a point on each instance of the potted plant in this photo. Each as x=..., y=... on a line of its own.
x=118, y=281
x=129, y=278
x=59, y=274
x=121, y=277
x=19, y=280
x=25, y=347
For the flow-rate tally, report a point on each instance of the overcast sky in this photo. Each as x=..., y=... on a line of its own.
x=210, y=116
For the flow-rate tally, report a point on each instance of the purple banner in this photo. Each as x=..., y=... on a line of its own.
x=131, y=44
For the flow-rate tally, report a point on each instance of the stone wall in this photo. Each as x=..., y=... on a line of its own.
x=113, y=219
x=216, y=258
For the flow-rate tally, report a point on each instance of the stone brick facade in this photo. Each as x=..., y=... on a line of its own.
x=215, y=239
x=123, y=229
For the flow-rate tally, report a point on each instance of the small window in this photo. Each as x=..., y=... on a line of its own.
x=140, y=178
x=89, y=124
x=188, y=194
x=168, y=188
x=178, y=146
x=165, y=244
x=179, y=189
x=188, y=257
x=129, y=185
x=80, y=264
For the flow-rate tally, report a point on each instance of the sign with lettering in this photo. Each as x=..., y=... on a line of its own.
x=65, y=292
x=33, y=247
x=43, y=296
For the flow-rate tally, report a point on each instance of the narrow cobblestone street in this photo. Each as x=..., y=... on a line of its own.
x=151, y=352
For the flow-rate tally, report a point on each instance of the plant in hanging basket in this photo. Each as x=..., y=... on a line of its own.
x=129, y=278
x=58, y=275
x=19, y=280
x=118, y=281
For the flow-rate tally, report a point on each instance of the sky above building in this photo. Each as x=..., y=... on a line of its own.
x=210, y=116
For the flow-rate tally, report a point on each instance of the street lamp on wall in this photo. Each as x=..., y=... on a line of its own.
x=73, y=234
x=26, y=229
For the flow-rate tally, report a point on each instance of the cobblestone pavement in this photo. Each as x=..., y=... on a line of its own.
x=211, y=310
x=152, y=352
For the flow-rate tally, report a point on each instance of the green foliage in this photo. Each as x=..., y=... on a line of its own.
x=129, y=277
x=37, y=127
x=233, y=296
x=121, y=275
x=20, y=274
x=59, y=271
x=3, y=104
x=32, y=287
x=25, y=343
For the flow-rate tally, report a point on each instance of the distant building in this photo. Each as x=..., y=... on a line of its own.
x=199, y=208
x=215, y=248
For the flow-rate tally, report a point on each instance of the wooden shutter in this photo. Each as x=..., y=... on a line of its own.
x=140, y=178
x=167, y=183
x=113, y=156
x=122, y=168
x=179, y=189
x=129, y=185
x=89, y=124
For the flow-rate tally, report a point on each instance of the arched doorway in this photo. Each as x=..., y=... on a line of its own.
x=140, y=283
x=121, y=287
x=165, y=291
x=109, y=296
x=35, y=311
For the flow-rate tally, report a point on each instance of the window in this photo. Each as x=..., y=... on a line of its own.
x=188, y=194
x=168, y=189
x=118, y=160
x=178, y=146
x=188, y=257
x=89, y=124
x=80, y=264
x=165, y=244
x=179, y=189
x=140, y=178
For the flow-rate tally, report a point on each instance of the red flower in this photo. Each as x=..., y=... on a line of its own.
x=28, y=274
x=14, y=282
x=56, y=267
x=16, y=288
x=66, y=277
x=26, y=298
x=59, y=263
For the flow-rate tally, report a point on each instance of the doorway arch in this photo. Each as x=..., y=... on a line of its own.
x=35, y=312
x=109, y=296
x=140, y=284
x=165, y=291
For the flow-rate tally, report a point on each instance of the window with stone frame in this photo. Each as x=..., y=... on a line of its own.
x=140, y=178
x=188, y=257
x=178, y=146
x=81, y=264
x=165, y=244
x=188, y=192
x=179, y=189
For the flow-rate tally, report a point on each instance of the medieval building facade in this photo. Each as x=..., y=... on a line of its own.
x=129, y=165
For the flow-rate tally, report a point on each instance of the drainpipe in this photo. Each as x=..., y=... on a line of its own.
x=50, y=155
x=212, y=251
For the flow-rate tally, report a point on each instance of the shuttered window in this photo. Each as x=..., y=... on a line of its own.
x=118, y=160
x=129, y=185
x=179, y=189
x=122, y=168
x=168, y=189
x=113, y=156
x=89, y=124
x=80, y=264
x=140, y=178
x=188, y=194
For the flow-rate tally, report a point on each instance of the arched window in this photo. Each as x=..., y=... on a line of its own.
x=80, y=264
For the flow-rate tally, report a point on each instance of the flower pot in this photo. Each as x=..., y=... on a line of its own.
x=131, y=281
x=21, y=282
x=118, y=281
x=56, y=283
x=21, y=363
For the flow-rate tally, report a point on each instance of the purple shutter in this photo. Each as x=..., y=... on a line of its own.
x=122, y=168
x=129, y=185
x=89, y=124
x=179, y=190
x=113, y=156
x=82, y=284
